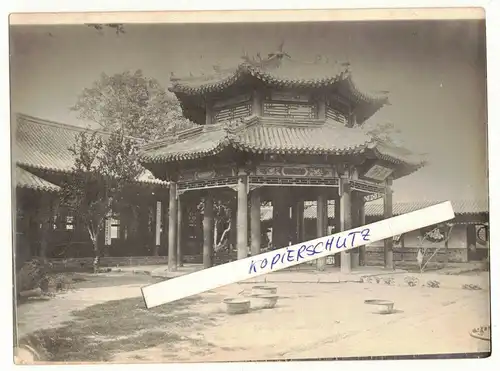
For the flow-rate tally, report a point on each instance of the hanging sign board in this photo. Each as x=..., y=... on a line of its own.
x=378, y=172
x=107, y=232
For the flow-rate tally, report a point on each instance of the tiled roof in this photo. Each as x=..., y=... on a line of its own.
x=44, y=145
x=271, y=136
x=297, y=139
x=24, y=179
x=460, y=207
x=278, y=70
x=194, y=143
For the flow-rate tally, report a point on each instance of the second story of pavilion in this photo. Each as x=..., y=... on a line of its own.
x=278, y=87
x=278, y=110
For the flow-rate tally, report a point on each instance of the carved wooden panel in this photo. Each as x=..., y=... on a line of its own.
x=365, y=186
x=208, y=174
x=203, y=174
x=290, y=110
x=296, y=171
x=268, y=170
x=207, y=183
x=224, y=102
x=288, y=96
x=233, y=112
x=323, y=172
x=226, y=171
x=186, y=175
x=293, y=181
x=336, y=115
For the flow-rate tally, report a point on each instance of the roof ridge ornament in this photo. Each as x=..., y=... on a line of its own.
x=173, y=77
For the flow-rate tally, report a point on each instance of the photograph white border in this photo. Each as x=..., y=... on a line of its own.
x=52, y=6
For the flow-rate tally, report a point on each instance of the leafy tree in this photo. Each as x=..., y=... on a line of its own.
x=103, y=168
x=385, y=132
x=222, y=221
x=137, y=104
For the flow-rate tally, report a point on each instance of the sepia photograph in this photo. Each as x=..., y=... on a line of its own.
x=143, y=152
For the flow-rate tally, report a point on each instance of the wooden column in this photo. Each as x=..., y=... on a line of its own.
x=298, y=221
x=295, y=225
x=355, y=206
x=208, y=112
x=123, y=218
x=362, y=221
x=352, y=119
x=338, y=218
x=281, y=220
x=255, y=222
x=180, y=225
x=321, y=223
x=446, y=237
x=402, y=243
x=208, y=230
x=172, y=227
x=166, y=224
x=256, y=103
x=301, y=223
x=388, y=242
x=233, y=232
x=275, y=231
x=322, y=108
x=157, y=228
x=142, y=226
x=45, y=219
x=242, y=216
x=345, y=222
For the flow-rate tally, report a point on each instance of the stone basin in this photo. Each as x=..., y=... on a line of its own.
x=383, y=306
x=264, y=301
x=482, y=333
x=237, y=305
x=264, y=290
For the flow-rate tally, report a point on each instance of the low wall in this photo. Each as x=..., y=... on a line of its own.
x=375, y=255
x=85, y=264
x=77, y=264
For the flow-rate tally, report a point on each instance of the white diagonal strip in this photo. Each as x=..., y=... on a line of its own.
x=244, y=269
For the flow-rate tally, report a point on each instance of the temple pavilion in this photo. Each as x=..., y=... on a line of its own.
x=280, y=131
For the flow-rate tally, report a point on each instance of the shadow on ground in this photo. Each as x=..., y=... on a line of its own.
x=102, y=330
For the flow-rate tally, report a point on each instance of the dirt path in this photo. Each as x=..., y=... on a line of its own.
x=310, y=321
x=313, y=321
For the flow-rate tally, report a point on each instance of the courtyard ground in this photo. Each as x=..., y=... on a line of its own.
x=104, y=319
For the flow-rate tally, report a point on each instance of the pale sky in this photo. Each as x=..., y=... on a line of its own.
x=435, y=72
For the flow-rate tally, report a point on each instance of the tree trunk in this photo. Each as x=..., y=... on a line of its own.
x=216, y=231
x=97, y=255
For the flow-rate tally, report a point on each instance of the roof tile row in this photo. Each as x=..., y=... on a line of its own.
x=25, y=179
x=264, y=135
x=45, y=145
x=279, y=70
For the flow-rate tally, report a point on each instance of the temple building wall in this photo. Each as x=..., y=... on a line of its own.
x=457, y=246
